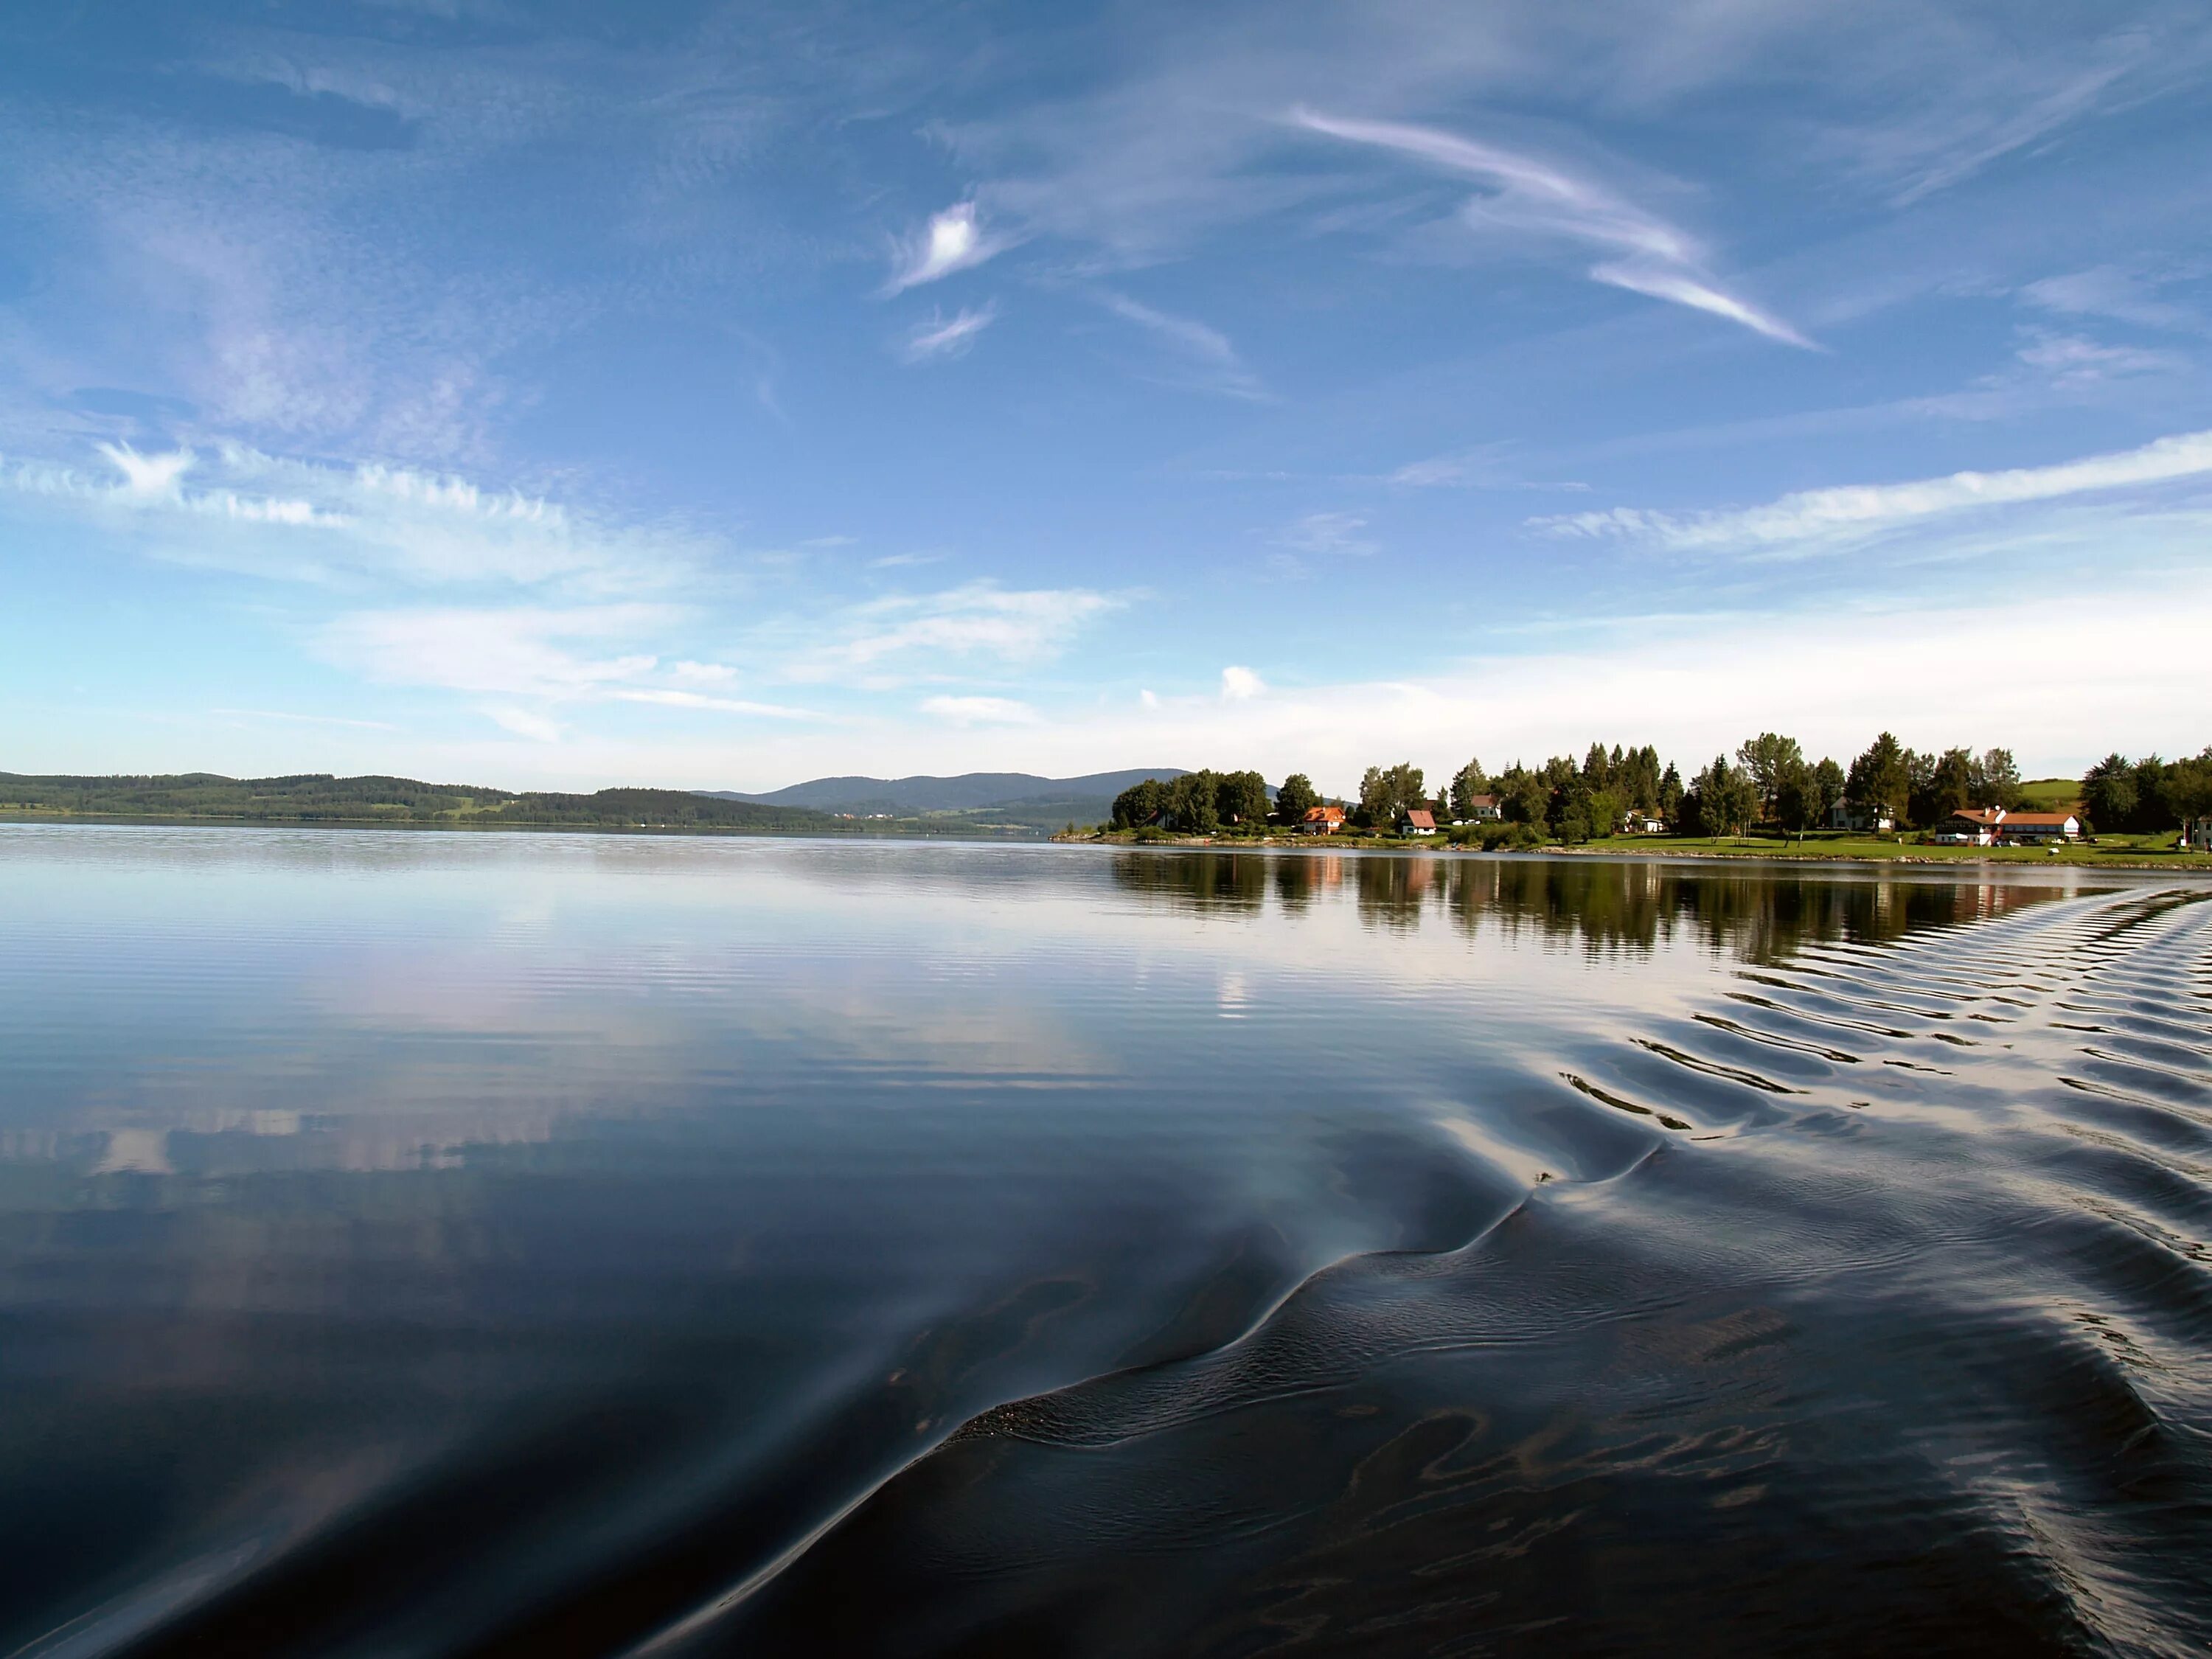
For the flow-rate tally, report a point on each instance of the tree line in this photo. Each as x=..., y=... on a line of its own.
x=1769, y=782
x=320, y=798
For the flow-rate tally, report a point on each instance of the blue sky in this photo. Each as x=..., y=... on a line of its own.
x=718, y=396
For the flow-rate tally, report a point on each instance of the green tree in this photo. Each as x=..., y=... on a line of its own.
x=1995, y=780
x=2153, y=808
x=1296, y=798
x=2189, y=789
x=1140, y=803
x=1880, y=780
x=1241, y=798
x=1523, y=797
x=1670, y=791
x=1942, y=785
x=1598, y=767
x=1190, y=803
x=2108, y=793
x=1827, y=789
x=1766, y=759
x=1726, y=798
x=1467, y=783
x=1387, y=791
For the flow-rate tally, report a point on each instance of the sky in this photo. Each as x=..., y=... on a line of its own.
x=566, y=394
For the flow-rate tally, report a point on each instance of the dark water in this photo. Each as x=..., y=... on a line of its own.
x=544, y=1245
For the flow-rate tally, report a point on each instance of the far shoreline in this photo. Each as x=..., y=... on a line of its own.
x=2192, y=865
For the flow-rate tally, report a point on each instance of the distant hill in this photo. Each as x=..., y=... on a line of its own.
x=2052, y=794
x=320, y=798
x=1004, y=797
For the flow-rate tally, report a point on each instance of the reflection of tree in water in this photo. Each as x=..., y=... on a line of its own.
x=1604, y=905
x=1208, y=881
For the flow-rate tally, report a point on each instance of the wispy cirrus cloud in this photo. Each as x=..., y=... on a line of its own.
x=954, y=239
x=1815, y=518
x=2109, y=291
x=1540, y=198
x=238, y=509
x=980, y=711
x=534, y=661
x=1211, y=360
x=979, y=619
x=1330, y=532
x=940, y=337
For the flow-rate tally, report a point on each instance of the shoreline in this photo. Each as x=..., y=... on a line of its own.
x=1920, y=856
x=2188, y=864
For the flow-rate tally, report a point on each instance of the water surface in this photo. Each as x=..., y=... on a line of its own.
x=575, y=1245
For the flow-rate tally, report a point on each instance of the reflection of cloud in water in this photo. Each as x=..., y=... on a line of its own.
x=386, y=997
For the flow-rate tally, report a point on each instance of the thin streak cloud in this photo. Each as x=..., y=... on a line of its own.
x=1649, y=256
x=1206, y=348
x=942, y=336
x=1856, y=511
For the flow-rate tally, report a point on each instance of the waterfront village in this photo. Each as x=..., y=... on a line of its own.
x=1889, y=797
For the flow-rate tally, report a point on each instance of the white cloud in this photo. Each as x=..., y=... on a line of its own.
x=516, y=652
x=1207, y=348
x=1665, y=282
x=524, y=722
x=1241, y=684
x=2071, y=361
x=1486, y=467
x=669, y=697
x=981, y=618
x=311, y=520
x=149, y=475
x=980, y=711
x=953, y=240
x=2129, y=679
x=535, y=660
x=1330, y=532
x=1853, y=512
x=1539, y=198
x=701, y=674
x=943, y=337
x=304, y=720
x=2108, y=291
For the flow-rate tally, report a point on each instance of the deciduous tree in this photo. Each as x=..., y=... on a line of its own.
x=1467, y=783
x=1767, y=760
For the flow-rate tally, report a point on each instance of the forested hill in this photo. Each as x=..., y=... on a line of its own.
x=969, y=792
x=319, y=797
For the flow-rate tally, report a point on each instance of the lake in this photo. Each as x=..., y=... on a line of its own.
x=521, y=1244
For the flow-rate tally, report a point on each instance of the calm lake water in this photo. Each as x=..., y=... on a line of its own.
x=541, y=1245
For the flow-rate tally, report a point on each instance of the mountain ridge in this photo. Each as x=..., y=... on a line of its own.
x=964, y=792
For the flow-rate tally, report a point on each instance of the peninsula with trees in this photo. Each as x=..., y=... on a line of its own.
x=1767, y=799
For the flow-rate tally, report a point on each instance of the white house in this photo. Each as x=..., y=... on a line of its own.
x=1848, y=815
x=1983, y=826
x=1483, y=809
